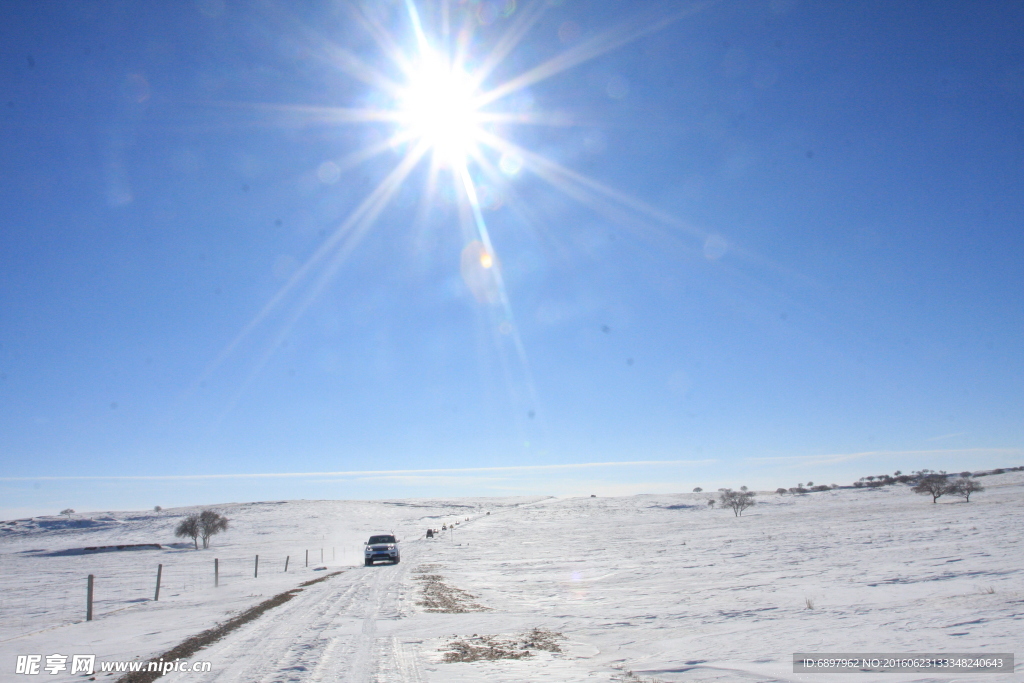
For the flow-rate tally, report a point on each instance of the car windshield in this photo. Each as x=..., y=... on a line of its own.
x=381, y=539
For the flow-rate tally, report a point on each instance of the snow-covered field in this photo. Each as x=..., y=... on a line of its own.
x=658, y=585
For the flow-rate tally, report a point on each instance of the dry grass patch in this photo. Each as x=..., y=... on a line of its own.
x=475, y=648
x=440, y=597
x=630, y=677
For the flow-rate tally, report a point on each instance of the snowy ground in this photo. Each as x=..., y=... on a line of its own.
x=658, y=585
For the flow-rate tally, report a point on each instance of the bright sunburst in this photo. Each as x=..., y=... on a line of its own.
x=438, y=106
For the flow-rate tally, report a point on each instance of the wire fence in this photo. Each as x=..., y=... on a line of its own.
x=36, y=596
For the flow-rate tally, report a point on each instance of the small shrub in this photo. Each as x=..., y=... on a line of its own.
x=67, y=512
x=157, y=508
x=210, y=523
x=965, y=487
x=781, y=491
x=697, y=489
x=933, y=485
x=189, y=528
x=737, y=500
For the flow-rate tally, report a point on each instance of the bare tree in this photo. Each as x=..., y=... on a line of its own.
x=780, y=491
x=737, y=500
x=711, y=503
x=67, y=512
x=210, y=523
x=697, y=490
x=934, y=485
x=965, y=487
x=189, y=528
x=157, y=508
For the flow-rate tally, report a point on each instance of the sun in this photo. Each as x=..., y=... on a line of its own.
x=437, y=95
x=438, y=106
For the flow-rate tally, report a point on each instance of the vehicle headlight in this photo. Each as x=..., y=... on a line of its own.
x=391, y=547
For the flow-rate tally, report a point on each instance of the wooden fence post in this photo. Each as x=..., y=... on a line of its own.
x=307, y=558
x=321, y=555
x=256, y=570
x=88, y=600
x=159, y=571
x=216, y=572
x=286, y=563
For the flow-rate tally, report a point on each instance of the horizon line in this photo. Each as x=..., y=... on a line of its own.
x=356, y=473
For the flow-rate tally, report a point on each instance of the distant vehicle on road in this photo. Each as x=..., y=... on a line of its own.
x=382, y=548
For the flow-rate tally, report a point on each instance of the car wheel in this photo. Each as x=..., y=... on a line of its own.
x=368, y=563
x=397, y=560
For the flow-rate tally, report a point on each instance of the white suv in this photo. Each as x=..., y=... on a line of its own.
x=383, y=547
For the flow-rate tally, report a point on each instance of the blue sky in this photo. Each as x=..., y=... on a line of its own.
x=731, y=243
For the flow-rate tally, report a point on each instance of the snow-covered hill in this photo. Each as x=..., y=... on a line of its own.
x=660, y=585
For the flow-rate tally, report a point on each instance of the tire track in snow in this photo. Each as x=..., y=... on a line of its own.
x=397, y=662
x=309, y=647
x=320, y=635
x=360, y=666
x=260, y=650
x=384, y=603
